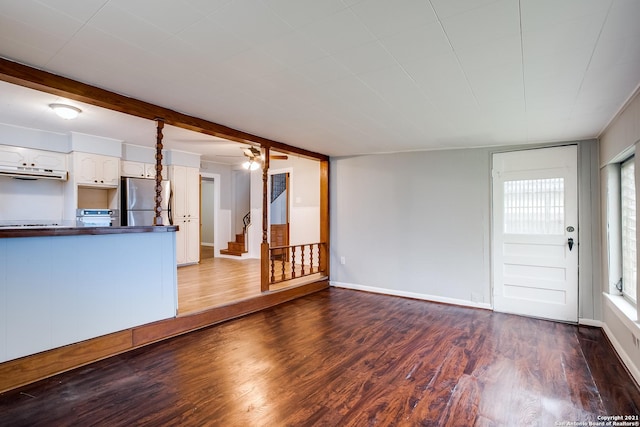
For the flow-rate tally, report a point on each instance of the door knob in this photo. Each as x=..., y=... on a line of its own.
x=570, y=241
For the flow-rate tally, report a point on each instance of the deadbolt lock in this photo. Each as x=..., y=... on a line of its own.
x=570, y=229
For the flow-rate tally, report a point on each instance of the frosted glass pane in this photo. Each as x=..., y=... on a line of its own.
x=628, y=212
x=534, y=206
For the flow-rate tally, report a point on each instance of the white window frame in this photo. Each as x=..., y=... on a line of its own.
x=628, y=254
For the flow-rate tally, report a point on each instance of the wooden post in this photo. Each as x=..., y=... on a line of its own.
x=157, y=219
x=264, y=247
x=324, y=217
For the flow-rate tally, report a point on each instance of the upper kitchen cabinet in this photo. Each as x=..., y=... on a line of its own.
x=141, y=170
x=30, y=158
x=96, y=170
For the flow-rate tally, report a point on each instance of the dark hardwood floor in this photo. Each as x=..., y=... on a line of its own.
x=345, y=358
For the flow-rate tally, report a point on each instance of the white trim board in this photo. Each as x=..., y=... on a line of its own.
x=626, y=359
x=425, y=297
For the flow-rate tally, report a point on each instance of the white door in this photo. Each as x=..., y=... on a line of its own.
x=535, y=233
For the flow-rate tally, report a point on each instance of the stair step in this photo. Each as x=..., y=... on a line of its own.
x=240, y=238
x=236, y=247
x=234, y=253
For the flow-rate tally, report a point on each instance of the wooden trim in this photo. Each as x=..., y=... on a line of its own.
x=265, y=281
x=44, y=81
x=18, y=372
x=324, y=215
x=26, y=370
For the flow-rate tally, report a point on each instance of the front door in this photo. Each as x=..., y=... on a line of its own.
x=535, y=233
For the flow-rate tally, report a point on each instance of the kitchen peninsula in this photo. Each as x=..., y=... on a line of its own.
x=63, y=285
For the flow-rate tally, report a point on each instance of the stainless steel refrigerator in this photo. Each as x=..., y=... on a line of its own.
x=138, y=201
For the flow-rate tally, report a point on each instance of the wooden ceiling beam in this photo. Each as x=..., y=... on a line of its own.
x=44, y=81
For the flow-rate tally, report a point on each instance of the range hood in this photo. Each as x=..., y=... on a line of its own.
x=32, y=173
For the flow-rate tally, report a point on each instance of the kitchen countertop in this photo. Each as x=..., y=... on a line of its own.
x=82, y=231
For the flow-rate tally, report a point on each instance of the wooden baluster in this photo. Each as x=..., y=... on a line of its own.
x=273, y=267
x=293, y=262
x=302, y=260
x=319, y=257
x=311, y=259
x=282, y=260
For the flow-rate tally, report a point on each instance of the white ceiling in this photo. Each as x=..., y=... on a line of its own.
x=343, y=77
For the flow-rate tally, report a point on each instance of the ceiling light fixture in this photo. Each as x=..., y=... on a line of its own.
x=251, y=165
x=65, y=111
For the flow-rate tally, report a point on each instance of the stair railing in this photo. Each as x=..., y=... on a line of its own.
x=246, y=222
x=295, y=261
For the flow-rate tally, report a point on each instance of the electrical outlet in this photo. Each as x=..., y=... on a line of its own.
x=343, y=260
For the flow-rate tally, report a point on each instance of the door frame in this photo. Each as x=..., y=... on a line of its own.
x=288, y=171
x=492, y=245
x=216, y=210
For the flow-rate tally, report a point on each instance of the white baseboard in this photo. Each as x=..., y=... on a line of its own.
x=425, y=297
x=590, y=322
x=626, y=359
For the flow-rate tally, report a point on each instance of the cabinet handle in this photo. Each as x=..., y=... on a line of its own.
x=24, y=164
x=33, y=164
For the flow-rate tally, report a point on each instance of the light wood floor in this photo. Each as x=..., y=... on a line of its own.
x=215, y=282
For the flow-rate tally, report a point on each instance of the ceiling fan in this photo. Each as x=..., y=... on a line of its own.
x=254, y=157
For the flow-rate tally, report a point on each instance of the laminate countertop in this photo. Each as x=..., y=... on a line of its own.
x=82, y=231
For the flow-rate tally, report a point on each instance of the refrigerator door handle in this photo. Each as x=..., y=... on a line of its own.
x=169, y=211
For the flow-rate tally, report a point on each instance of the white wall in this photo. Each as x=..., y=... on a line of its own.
x=34, y=138
x=207, y=212
x=413, y=224
x=418, y=224
x=619, y=317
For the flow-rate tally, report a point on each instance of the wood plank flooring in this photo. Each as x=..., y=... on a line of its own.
x=215, y=282
x=345, y=358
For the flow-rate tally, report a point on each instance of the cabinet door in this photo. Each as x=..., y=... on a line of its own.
x=150, y=171
x=193, y=193
x=49, y=160
x=86, y=166
x=179, y=184
x=110, y=171
x=133, y=169
x=193, y=240
x=13, y=156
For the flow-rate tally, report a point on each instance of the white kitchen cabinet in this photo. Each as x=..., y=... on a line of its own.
x=96, y=170
x=185, y=187
x=31, y=158
x=187, y=241
x=141, y=170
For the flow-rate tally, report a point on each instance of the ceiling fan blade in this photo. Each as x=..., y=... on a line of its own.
x=278, y=157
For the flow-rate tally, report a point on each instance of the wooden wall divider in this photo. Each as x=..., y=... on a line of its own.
x=29, y=369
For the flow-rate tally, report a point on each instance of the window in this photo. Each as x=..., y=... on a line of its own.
x=534, y=206
x=628, y=231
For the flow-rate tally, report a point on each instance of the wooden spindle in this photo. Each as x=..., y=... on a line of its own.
x=302, y=259
x=293, y=262
x=157, y=218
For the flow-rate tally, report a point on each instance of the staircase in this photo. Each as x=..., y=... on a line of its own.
x=236, y=248
x=239, y=247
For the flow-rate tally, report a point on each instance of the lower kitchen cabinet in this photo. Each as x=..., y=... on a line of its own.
x=188, y=241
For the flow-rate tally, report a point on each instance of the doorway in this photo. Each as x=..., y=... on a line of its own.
x=207, y=218
x=535, y=233
x=279, y=214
